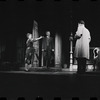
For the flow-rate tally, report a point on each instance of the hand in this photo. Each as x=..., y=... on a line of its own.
x=70, y=38
x=52, y=49
x=81, y=35
x=41, y=36
x=77, y=37
x=42, y=49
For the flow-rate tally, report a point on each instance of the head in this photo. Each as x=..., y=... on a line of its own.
x=96, y=49
x=29, y=35
x=48, y=33
x=81, y=23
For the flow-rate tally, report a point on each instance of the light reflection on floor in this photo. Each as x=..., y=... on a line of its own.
x=51, y=70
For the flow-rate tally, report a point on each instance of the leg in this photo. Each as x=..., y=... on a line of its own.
x=26, y=59
x=83, y=65
x=47, y=59
x=79, y=65
x=94, y=65
x=28, y=62
x=44, y=58
x=32, y=56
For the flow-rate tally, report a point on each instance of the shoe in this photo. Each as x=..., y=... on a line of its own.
x=26, y=69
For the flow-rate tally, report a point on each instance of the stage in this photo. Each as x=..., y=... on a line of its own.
x=49, y=83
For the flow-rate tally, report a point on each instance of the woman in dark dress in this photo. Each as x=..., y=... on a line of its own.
x=30, y=51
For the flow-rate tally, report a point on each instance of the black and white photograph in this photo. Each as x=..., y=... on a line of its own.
x=49, y=50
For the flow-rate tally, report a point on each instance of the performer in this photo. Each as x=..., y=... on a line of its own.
x=30, y=50
x=96, y=59
x=81, y=53
x=48, y=49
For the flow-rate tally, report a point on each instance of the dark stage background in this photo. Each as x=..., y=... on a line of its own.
x=62, y=16
x=17, y=16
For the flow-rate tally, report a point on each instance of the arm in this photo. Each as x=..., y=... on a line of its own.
x=39, y=38
x=52, y=43
x=36, y=39
x=79, y=33
x=89, y=37
x=43, y=44
x=77, y=36
x=27, y=41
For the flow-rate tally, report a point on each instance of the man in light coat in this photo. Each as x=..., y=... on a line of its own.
x=81, y=53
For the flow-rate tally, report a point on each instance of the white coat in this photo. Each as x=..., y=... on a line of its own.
x=82, y=43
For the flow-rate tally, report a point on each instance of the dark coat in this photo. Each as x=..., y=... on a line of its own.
x=50, y=43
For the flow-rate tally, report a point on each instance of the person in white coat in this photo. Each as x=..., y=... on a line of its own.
x=81, y=52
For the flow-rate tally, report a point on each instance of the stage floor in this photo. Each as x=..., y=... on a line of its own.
x=52, y=72
x=49, y=83
x=48, y=71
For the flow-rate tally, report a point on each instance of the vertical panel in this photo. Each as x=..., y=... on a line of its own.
x=36, y=44
x=20, y=50
x=2, y=50
x=58, y=50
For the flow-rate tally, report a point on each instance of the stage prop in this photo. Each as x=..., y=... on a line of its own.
x=42, y=59
x=35, y=45
x=71, y=52
x=58, y=50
